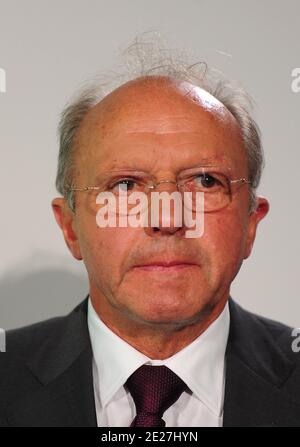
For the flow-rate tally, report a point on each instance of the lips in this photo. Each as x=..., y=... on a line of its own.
x=165, y=266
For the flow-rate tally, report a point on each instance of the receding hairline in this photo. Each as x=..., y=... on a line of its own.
x=168, y=89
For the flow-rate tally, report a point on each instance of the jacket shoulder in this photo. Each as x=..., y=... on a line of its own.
x=21, y=345
x=24, y=346
x=262, y=333
x=23, y=341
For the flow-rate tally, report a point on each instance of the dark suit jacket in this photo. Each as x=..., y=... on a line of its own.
x=46, y=373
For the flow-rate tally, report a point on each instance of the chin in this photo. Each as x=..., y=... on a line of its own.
x=167, y=305
x=168, y=315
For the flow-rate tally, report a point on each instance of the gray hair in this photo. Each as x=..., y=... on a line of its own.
x=149, y=59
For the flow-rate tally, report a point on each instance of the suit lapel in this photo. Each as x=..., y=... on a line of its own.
x=248, y=399
x=63, y=368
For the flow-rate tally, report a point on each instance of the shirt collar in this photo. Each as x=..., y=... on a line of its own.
x=200, y=364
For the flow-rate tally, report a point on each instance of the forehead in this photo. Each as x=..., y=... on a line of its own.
x=146, y=121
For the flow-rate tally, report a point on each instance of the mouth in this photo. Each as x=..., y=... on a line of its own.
x=166, y=267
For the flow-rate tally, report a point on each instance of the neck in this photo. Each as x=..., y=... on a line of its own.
x=156, y=341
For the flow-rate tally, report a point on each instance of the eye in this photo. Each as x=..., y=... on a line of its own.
x=125, y=184
x=207, y=180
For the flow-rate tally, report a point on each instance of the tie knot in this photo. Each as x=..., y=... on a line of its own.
x=154, y=389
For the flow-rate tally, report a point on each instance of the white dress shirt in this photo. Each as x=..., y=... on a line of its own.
x=201, y=365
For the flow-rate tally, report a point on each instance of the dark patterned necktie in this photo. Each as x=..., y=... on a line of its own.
x=154, y=389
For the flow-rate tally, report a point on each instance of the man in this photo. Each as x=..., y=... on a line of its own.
x=158, y=341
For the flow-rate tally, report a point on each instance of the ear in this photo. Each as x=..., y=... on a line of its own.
x=261, y=210
x=67, y=222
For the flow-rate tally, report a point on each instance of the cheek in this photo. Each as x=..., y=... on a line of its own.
x=224, y=240
x=104, y=250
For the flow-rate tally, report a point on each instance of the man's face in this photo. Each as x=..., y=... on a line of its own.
x=160, y=129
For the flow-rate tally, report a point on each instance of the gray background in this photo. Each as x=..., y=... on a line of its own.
x=49, y=47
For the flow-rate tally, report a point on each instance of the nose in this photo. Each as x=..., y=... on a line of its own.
x=165, y=211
